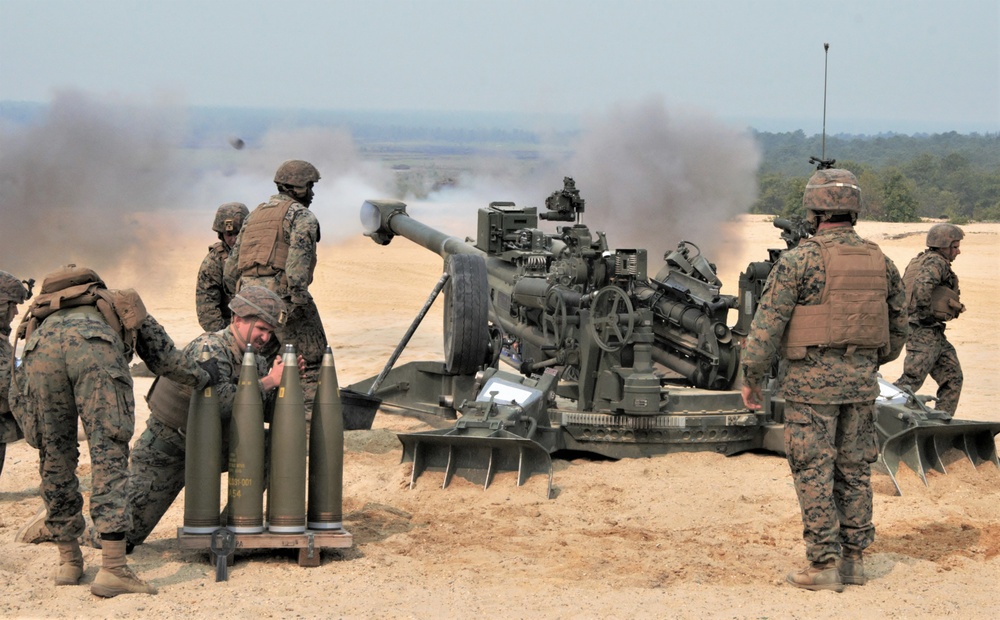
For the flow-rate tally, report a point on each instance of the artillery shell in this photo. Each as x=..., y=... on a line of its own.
x=286, y=497
x=326, y=451
x=203, y=461
x=246, y=452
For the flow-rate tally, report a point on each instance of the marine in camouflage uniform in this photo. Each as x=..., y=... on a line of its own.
x=156, y=469
x=829, y=388
x=276, y=249
x=12, y=293
x=75, y=366
x=211, y=296
x=928, y=351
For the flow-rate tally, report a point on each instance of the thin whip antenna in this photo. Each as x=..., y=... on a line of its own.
x=822, y=163
x=826, y=57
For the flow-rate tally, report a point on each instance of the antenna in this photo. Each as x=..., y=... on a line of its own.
x=822, y=163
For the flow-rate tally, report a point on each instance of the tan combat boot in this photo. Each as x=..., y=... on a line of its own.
x=115, y=577
x=70, y=563
x=35, y=531
x=852, y=569
x=817, y=576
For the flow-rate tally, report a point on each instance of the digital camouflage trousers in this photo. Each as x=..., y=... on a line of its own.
x=928, y=352
x=830, y=451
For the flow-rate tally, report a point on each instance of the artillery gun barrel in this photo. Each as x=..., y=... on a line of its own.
x=384, y=219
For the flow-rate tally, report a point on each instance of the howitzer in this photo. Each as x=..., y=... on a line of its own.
x=639, y=365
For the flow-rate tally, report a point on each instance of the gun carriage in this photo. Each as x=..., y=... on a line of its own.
x=605, y=358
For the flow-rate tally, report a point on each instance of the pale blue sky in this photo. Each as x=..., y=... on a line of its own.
x=894, y=65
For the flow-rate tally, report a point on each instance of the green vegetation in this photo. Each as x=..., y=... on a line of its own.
x=903, y=178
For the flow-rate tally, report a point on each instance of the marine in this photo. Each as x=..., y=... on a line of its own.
x=79, y=339
x=933, y=298
x=832, y=311
x=211, y=296
x=156, y=469
x=276, y=249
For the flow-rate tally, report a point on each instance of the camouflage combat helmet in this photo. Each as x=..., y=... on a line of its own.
x=259, y=302
x=832, y=190
x=296, y=173
x=229, y=217
x=11, y=289
x=943, y=235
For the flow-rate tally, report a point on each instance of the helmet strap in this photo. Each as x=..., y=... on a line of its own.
x=244, y=339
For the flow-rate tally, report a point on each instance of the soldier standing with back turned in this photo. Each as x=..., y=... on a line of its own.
x=276, y=249
x=833, y=309
x=211, y=296
x=933, y=296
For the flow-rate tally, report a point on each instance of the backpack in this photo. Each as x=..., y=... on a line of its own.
x=73, y=286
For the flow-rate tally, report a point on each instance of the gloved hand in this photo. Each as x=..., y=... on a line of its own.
x=211, y=366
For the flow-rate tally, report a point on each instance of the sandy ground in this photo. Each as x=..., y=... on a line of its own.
x=684, y=535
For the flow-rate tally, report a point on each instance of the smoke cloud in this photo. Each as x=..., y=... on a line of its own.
x=653, y=178
x=81, y=185
x=650, y=177
x=112, y=185
x=73, y=187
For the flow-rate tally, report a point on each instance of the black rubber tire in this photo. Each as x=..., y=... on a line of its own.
x=466, y=314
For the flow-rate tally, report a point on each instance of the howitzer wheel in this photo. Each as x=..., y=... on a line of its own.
x=607, y=308
x=555, y=318
x=466, y=314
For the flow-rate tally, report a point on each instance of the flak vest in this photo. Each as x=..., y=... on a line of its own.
x=73, y=287
x=945, y=303
x=169, y=401
x=263, y=248
x=853, y=312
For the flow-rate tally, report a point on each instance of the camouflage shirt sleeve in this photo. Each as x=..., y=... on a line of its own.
x=6, y=351
x=301, y=262
x=217, y=344
x=899, y=326
x=778, y=300
x=222, y=347
x=209, y=291
x=9, y=430
x=230, y=270
x=155, y=347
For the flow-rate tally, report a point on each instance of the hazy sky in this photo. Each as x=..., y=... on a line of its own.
x=906, y=66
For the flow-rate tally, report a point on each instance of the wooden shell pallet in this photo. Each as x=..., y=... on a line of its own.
x=309, y=543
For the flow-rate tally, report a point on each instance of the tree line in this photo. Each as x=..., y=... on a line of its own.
x=903, y=178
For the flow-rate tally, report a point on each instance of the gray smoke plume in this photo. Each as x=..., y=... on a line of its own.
x=111, y=185
x=74, y=186
x=652, y=178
